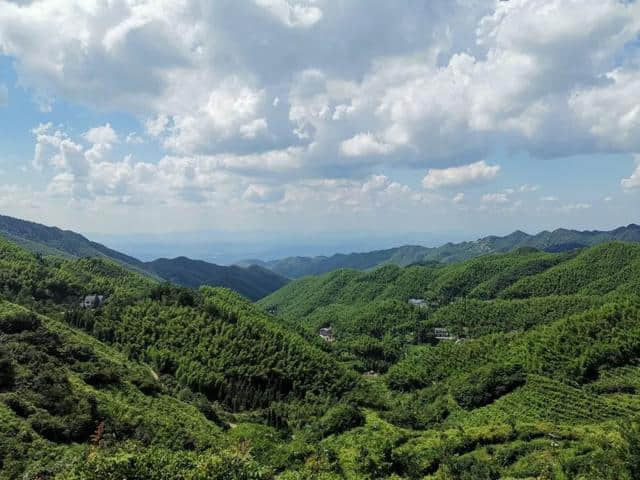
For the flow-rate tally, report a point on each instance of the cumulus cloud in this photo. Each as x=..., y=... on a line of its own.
x=54, y=148
x=230, y=110
x=157, y=126
x=94, y=171
x=456, y=176
x=606, y=112
x=263, y=194
x=444, y=82
x=364, y=144
x=254, y=128
x=634, y=180
x=104, y=135
x=134, y=139
x=292, y=13
x=242, y=96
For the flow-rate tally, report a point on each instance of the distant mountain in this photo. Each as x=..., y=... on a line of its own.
x=561, y=240
x=253, y=282
x=54, y=241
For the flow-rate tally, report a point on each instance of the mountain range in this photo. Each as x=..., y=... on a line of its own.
x=253, y=282
x=256, y=279
x=560, y=240
x=516, y=365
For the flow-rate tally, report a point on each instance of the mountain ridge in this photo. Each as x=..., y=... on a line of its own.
x=559, y=240
x=253, y=283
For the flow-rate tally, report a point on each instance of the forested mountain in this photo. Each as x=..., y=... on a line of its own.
x=54, y=241
x=252, y=282
x=538, y=375
x=148, y=389
x=560, y=240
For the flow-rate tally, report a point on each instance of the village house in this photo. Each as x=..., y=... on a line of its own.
x=92, y=301
x=443, y=334
x=326, y=334
x=418, y=302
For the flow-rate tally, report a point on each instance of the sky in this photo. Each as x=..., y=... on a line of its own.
x=319, y=121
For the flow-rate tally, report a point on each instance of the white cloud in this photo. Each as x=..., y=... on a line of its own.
x=93, y=172
x=376, y=183
x=102, y=139
x=56, y=150
x=61, y=185
x=254, y=128
x=364, y=144
x=230, y=110
x=573, y=207
x=496, y=198
x=549, y=198
x=606, y=111
x=157, y=126
x=445, y=82
x=293, y=13
x=309, y=93
x=104, y=135
x=263, y=194
x=134, y=139
x=456, y=176
x=459, y=198
x=634, y=180
x=526, y=188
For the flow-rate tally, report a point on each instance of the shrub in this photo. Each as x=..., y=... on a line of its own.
x=103, y=376
x=339, y=419
x=485, y=385
x=18, y=322
x=18, y=404
x=468, y=467
x=7, y=371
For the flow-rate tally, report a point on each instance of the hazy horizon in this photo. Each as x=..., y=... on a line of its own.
x=224, y=248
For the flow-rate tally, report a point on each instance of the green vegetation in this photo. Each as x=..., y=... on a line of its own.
x=540, y=377
x=253, y=282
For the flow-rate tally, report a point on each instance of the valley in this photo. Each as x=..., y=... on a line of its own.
x=537, y=372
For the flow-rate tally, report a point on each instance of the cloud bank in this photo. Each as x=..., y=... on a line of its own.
x=274, y=102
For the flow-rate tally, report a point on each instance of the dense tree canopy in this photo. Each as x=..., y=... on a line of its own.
x=538, y=378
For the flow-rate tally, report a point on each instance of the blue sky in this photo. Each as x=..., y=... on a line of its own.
x=313, y=121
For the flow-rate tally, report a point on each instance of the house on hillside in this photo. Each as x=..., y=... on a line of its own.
x=418, y=302
x=92, y=301
x=326, y=334
x=443, y=334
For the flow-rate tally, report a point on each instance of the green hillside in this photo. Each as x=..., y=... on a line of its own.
x=253, y=282
x=54, y=241
x=561, y=240
x=541, y=378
